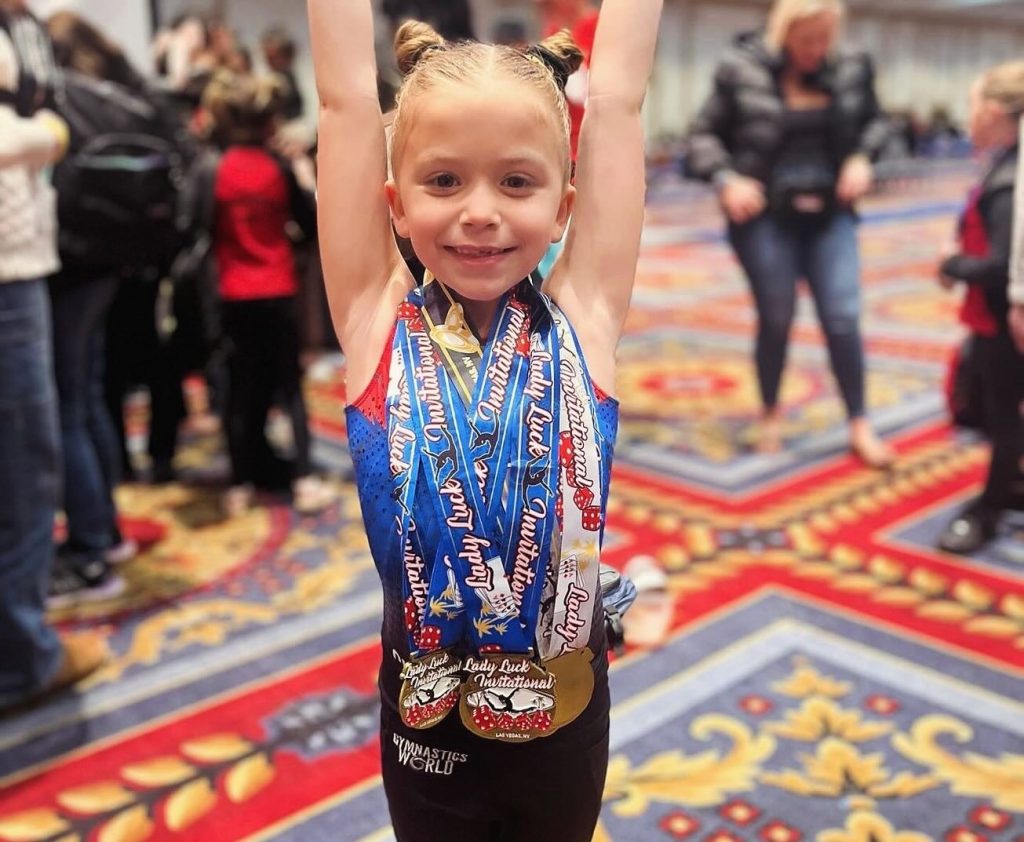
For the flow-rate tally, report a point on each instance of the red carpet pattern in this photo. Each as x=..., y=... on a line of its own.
x=829, y=676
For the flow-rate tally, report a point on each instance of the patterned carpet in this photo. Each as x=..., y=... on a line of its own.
x=829, y=675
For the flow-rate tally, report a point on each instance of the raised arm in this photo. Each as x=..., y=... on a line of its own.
x=593, y=281
x=359, y=253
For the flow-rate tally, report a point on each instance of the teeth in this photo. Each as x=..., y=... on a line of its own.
x=476, y=252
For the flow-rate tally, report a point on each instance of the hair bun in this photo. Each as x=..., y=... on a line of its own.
x=560, y=55
x=413, y=40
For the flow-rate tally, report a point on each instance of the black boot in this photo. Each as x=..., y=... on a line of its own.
x=969, y=531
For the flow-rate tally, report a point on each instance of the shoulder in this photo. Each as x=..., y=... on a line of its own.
x=1003, y=176
x=740, y=65
x=853, y=66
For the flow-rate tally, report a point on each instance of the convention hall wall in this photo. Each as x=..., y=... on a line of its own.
x=922, y=63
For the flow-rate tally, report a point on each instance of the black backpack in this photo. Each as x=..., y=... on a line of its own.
x=119, y=187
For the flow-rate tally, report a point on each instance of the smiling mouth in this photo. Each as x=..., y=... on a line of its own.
x=478, y=251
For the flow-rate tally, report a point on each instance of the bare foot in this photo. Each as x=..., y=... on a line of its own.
x=769, y=435
x=868, y=447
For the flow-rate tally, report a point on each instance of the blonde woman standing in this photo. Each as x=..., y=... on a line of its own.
x=786, y=137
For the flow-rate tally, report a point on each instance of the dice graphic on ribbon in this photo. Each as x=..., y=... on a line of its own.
x=592, y=518
x=583, y=498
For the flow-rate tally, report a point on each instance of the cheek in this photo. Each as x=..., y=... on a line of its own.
x=423, y=218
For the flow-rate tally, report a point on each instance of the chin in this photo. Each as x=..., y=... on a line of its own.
x=480, y=289
x=483, y=283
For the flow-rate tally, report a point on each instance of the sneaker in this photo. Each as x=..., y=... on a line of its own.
x=311, y=495
x=124, y=550
x=90, y=581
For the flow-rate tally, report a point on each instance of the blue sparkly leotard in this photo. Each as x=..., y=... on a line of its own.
x=368, y=443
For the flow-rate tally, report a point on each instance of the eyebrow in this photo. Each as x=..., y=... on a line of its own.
x=443, y=159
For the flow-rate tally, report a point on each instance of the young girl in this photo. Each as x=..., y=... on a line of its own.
x=481, y=423
x=255, y=195
x=982, y=265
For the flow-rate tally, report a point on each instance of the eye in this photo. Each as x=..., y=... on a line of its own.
x=443, y=181
x=516, y=182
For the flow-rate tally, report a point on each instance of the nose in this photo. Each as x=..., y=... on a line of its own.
x=480, y=208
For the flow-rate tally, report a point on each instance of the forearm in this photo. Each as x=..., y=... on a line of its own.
x=706, y=157
x=873, y=137
x=27, y=142
x=627, y=32
x=341, y=34
x=976, y=271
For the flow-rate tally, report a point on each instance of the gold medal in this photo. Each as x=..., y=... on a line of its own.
x=510, y=698
x=430, y=688
x=574, y=676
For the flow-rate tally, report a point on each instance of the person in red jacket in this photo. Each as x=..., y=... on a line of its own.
x=256, y=197
x=580, y=18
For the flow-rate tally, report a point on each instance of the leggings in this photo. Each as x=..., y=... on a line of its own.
x=774, y=255
x=263, y=366
x=1001, y=368
x=446, y=783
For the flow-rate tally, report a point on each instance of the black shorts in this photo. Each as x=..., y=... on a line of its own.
x=446, y=783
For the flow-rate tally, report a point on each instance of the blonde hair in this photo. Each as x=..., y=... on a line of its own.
x=1005, y=84
x=426, y=60
x=242, y=107
x=785, y=13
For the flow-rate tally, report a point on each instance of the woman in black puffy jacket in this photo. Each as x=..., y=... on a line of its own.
x=786, y=137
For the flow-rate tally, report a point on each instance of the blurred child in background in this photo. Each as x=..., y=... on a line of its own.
x=982, y=266
x=255, y=198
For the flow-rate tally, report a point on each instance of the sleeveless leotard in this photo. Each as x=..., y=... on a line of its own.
x=367, y=435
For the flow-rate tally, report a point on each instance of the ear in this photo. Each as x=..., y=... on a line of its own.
x=564, y=213
x=394, y=200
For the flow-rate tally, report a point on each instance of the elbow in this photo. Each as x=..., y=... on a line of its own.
x=618, y=83
x=617, y=103
x=355, y=96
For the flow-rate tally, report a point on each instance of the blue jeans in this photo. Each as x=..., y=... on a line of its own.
x=775, y=254
x=92, y=449
x=30, y=650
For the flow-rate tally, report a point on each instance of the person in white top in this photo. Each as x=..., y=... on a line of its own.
x=33, y=658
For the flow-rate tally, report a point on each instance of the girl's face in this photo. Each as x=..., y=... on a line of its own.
x=809, y=40
x=480, y=186
x=988, y=124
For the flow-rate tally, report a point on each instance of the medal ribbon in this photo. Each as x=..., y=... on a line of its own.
x=497, y=531
x=572, y=587
x=429, y=593
x=514, y=462
x=464, y=539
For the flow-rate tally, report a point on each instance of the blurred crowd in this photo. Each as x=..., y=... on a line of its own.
x=182, y=197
